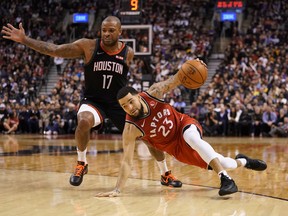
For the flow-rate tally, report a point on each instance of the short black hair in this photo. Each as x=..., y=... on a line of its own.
x=126, y=90
x=112, y=19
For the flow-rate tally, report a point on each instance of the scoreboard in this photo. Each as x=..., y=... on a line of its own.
x=228, y=10
x=130, y=7
x=130, y=11
x=229, y=5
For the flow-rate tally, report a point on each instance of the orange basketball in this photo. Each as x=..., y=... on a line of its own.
x=193, y=74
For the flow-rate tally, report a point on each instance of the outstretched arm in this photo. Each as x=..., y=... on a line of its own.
x=72, y=50
x=159, y=89
x=129, y=136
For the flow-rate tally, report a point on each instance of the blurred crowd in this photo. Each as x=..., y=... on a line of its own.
x=246, y=97
x=249, y=91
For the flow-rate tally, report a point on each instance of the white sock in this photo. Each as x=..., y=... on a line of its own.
x=243, y=161
x=82, y=155
x=224, y=173
x=162, y=166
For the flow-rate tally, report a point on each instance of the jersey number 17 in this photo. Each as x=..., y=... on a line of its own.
x=107, y=79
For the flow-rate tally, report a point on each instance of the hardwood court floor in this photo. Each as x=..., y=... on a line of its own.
x=35, y=171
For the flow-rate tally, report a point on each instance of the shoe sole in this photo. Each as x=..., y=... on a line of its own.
x=80, y=180
x=223, y=193
x=171, y=185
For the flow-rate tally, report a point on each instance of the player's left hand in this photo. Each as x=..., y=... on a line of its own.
x=114, y=193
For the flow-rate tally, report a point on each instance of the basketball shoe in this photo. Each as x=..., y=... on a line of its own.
x=80, y=170
x=228, y=185
x=169, y=180
x=254, y=164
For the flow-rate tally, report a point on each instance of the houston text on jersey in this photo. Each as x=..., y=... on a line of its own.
x=108, y=66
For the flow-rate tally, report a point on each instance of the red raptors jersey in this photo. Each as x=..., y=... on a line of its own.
x=163, y=128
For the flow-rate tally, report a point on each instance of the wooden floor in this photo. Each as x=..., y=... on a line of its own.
x=35, y=173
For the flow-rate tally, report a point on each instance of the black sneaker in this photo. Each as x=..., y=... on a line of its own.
x=228, y=186
x=254, y=164
x=81, y=169
x=169, y=180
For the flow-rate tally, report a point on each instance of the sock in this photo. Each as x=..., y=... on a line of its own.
x=82, y=155
x=224, y=173
x=243, y=161
x=162, y=166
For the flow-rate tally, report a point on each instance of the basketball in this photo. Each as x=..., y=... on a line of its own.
x=193, y=74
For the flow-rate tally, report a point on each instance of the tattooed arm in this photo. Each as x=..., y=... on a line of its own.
x=159, y=89
x=72, y=50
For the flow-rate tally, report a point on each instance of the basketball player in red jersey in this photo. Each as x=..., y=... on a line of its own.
x=157, y=122
x=106, y=67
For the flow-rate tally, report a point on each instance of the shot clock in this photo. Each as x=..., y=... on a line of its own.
x=130, y=8
x=130, y=11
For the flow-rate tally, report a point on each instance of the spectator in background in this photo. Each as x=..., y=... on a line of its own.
x=44, y=116
x=23, y=119
x=53, y=127
x=3, y=110
x=244, y=125
x=239, y=113
x=269, y=118
x=222, y=119
x=179, y=104
x=280, y=131
x=203, y=111
x=232, y=120
x=33, y=121
x=58, y=61
x=3, y=116
x=137, y=85
x=257, y=122
x=70, y=117
x=210, y=123
x=11, y=123
x=281, y=116
x=194, y=111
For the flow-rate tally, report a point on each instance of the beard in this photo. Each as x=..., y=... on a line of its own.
x=140, y=114
x=109, y=42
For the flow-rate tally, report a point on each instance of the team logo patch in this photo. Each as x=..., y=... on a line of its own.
x=119, y=57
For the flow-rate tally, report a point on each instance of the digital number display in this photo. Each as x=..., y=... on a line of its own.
x=134, y=4
x=130, y=7
x=229, y=4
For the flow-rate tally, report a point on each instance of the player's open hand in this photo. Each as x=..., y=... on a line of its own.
x=12, y=33
x=114, y=193
x=197, y=59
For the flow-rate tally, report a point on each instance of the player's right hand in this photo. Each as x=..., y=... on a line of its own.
x=114, y=193
x=12, y=33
